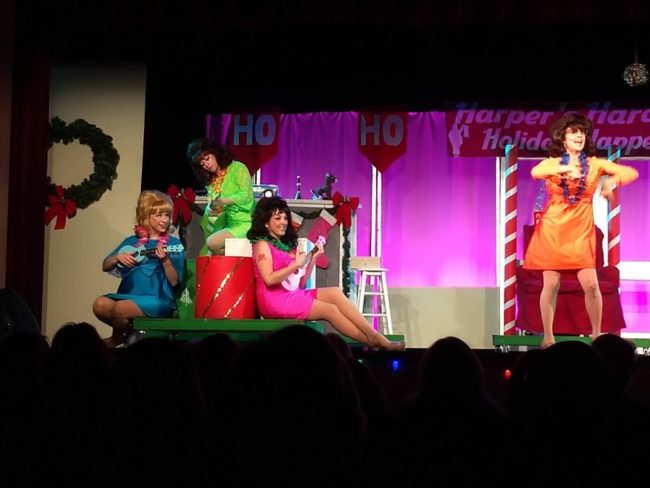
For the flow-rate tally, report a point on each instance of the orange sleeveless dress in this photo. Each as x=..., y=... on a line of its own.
x=565, y=237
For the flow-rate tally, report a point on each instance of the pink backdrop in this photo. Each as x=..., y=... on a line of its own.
x=439, y=225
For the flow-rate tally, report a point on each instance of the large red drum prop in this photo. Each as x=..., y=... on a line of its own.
x=225, y=288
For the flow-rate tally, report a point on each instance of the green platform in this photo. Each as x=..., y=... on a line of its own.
x=505, y=342
x=240, y=330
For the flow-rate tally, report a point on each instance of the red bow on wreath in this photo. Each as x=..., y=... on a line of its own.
x=182, y=200
x=60, y=207
x=344, y=208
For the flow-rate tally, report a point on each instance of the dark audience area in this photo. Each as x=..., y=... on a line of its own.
x=299, y=408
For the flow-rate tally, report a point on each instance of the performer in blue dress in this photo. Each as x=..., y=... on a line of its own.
x=150, y=264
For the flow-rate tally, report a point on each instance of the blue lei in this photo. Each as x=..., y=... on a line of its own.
x=583, y=179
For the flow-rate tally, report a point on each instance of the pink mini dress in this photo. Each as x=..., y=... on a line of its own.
x=275, y=302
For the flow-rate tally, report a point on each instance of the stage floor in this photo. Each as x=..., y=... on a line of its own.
x=523, y=342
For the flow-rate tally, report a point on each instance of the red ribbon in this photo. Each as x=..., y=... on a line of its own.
x=344, y=208
x=182, y=200
x=60, y=207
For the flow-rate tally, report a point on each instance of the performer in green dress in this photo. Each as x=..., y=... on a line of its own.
x=230, y=194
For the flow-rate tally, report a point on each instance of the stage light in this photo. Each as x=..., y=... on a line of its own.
x=395, y=365
x=507, y=374
x=267, y=193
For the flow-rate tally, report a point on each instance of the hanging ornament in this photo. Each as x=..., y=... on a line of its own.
x=635, y=74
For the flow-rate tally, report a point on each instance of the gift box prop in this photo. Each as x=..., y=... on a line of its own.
x=570, y=313
x=225, y=288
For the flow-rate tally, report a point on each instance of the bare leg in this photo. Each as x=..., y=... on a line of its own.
x=547, y=302
x=217, y=242
x=102, y=308
x=593, y=299
x=332, y=305
x=118, y=315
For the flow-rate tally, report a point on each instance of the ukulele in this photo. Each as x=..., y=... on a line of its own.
x=292, y=282
x=140, y=254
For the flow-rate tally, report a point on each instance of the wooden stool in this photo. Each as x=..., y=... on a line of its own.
x=371, y=270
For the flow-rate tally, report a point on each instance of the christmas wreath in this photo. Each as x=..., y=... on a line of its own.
x=91, y=189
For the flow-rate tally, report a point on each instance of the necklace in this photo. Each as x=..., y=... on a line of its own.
x=584, y=168
x=143, y=236
x=214, y=186
x=275, y=243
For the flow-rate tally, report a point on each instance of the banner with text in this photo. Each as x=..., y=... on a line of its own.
x=474, y=131
x=382, y=137
x=252, y=137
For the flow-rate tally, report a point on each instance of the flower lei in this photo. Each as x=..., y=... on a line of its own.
x=582, y=184
x=275, y=243
x=143, y=236
x=214, y=186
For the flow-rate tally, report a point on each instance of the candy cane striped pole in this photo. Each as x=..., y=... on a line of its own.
x=509, y=219
x=614, y=216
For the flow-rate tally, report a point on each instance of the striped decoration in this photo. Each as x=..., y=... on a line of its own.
x=510, y=240
x=614, y=216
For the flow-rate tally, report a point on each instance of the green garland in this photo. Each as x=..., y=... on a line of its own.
x=278, y=244
x=105, y=159
x=345, y=260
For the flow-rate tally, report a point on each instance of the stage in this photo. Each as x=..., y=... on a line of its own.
x=241, y=330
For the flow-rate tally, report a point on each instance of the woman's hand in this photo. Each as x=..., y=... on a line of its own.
x=168, y=267
x=161, y=253
x=570, y=171
x=320, y=252
x=216, y=207
x=301, y=259
x=126, y=259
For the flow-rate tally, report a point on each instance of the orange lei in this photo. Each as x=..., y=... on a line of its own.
x=214, y=186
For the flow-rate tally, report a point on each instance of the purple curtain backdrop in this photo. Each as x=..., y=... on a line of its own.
x=439, y=212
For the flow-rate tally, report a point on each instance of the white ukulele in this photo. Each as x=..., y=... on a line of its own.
x=292, y=282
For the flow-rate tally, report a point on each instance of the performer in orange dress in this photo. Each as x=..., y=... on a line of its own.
x=565, y=237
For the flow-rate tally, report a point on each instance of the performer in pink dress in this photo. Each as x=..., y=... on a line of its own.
x=277, y=260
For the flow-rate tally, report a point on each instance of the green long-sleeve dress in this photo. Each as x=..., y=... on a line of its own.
x=235, y=183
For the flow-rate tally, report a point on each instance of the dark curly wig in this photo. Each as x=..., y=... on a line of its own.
x=559, y=128
x=200, y=147
x=264, y=210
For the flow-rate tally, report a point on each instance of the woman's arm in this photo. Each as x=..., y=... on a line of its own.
x=619, y=174
x=243, y=194
x=168, y=267
x=112, y=260
x=264, y=262
x=547, y=168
